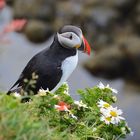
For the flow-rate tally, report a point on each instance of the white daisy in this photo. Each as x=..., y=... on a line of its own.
x=80, y=104
x=66, y=91
x=17, y=95
x=114, y=98
x=101, y=86
x=105, y=112
x=115, y=115
x=103, y=104
x=73, y=116
x=112, y=89
x=43, y=92
x=111, y=115
x=123, y=129
x=56, y=96
x=130, y=130
x=66, y=84
x=106, y=119
x=94, y=129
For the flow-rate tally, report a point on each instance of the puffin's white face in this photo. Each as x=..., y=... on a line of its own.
x=72, y=37
x=69, y=40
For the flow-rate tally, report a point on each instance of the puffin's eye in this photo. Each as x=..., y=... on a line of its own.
x=70, y=37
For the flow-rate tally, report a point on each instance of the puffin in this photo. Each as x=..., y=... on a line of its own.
x=55, y=64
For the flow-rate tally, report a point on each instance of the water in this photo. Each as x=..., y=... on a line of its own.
x=18, y=50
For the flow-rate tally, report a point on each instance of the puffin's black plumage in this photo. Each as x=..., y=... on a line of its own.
x=45, y=64
x=53, y=65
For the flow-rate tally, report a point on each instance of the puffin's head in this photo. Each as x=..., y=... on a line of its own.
x=72, y=37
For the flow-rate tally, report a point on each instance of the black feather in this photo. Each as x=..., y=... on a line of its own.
x=47, y=65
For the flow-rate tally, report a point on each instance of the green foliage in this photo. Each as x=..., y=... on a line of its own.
x=58, y=117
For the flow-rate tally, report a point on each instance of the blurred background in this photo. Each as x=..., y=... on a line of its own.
x=111, y=26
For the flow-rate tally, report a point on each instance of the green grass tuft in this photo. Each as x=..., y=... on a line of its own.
x=40, y=119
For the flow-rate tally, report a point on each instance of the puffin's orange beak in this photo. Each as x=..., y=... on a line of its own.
x=87, y=48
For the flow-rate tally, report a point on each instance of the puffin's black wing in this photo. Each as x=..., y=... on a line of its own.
x=28, y=70
x=49, y=73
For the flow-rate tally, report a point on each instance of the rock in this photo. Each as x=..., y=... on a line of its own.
x=106, y=63
x=103, y=16
x=35, y=9
x=132, y=57
x=10, y=2
x=118, y=61
x=126, y=10
x=120, y=3
x=98, y=24
x=117, y=40
x=136, y=19
x=38, y=31
x=67, y=11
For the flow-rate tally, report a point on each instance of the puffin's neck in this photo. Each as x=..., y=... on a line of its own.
x=61, y=51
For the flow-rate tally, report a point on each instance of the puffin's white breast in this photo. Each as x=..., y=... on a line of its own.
x=68, y=66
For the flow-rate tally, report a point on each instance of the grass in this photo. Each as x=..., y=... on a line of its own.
x=42, y=119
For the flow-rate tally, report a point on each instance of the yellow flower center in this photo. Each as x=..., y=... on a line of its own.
x=106, y=105
x=113, y=114
x=108, y=119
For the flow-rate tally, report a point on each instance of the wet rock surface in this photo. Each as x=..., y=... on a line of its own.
x=37, y=31
x=99, y=65
x=120, y=61
x=34, y=9
x=117, y=43
x=10, y=2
